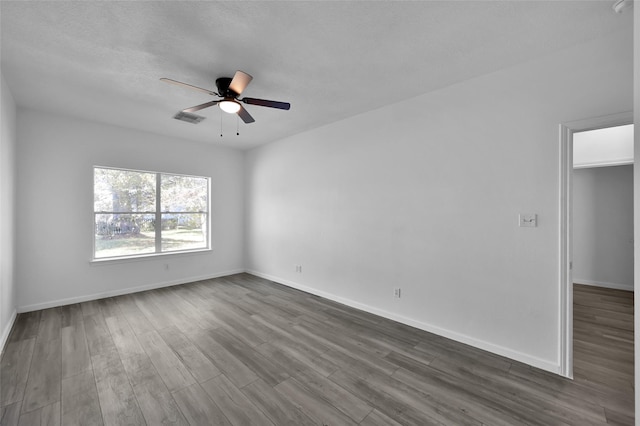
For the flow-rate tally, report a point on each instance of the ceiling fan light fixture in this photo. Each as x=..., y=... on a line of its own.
x=229, y=106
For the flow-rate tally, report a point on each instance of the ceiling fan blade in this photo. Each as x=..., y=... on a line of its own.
x=244, y=114
x=240, y=81
x=179, y=83
x=201, y=106
x=266, y=103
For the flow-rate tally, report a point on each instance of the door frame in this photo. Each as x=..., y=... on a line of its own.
x=567, y=130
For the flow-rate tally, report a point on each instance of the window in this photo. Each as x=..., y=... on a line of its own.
x=138, y=213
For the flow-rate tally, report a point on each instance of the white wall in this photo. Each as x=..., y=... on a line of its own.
x=55, y=159
x=7, y=209
x=603, y=226
x=425, y=195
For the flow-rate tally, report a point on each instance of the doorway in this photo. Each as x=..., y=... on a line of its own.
x=567, y=132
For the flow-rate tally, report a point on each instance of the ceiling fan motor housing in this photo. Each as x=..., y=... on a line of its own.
x=222, y=84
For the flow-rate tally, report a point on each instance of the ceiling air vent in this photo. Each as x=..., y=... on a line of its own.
x=188, y=117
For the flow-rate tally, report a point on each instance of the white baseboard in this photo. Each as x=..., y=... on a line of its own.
x=615, y=286
x=120, y=292
x=5, y=333
x=462, y=338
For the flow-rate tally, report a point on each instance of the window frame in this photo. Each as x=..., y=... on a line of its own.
x=158, y=213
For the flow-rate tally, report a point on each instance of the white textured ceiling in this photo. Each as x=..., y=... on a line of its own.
x=102, y=61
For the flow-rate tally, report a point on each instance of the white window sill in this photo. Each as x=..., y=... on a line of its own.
x=143, y=257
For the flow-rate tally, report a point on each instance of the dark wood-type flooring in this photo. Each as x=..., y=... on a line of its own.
x=603, y=346
x=241, y=350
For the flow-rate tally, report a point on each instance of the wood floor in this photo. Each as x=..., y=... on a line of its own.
x=241, y=350
x=603, y=344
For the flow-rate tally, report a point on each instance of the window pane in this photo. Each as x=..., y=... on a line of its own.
x=133, y=217
x=123, y=191
x=184, y=231
x=124, y=234
x=184, y=193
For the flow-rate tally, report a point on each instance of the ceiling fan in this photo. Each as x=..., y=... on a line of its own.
x=229, y=89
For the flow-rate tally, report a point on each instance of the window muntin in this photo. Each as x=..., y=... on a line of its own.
x=128, y=204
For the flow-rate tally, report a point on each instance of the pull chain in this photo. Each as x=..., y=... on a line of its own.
x=237, y=125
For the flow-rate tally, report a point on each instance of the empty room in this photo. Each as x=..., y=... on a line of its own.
x=314, y=213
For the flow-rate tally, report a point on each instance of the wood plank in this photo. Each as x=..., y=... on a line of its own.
x=45, y=416
x=14, y=370
x=295, y=361
x=617, y=367
x=10, y=414
x=200, y=367
x=591, y=373
x=479, y=405
x=156, y=403
x=251, y=333
x=341, y=344
x=43, y=384
x=174, y=374
x=466, y=355
x=172, y=316
x=268, y=371
x=624, y=354
x=198, y=408
x=80, y=404
x=99, y=340
x=191, y=294
x=70, y=315
x=123, y=337
x=274, y=405
x=134, y=316
x=382, y=340
x=156, y=315
x=619, y=419
x=315, y=408
x=442, y=406
x=75, y=352
x=536, y=406
x=550, y=382
x=199, y=317
x=109, y=307
x=26, y=326
x=117, y=400
x=284, y=330
x=232, y=367
x=50, y=322
x=333, y=394
x=376, y=418
x=90, y=308
x=399, y=410
x=279, y=306
x=234, y=404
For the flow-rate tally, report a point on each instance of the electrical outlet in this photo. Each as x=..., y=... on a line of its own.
x=397, y=292
x=166, y=266
x=299, y=269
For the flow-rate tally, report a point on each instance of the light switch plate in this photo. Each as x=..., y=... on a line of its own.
x=528, y=220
